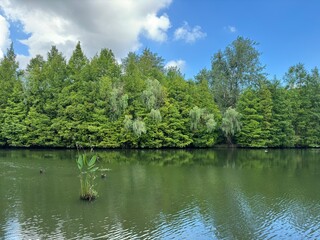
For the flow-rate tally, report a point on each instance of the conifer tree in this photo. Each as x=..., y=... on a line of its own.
x=9, y=78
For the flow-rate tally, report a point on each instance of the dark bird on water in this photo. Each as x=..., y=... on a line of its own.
x=103, y=175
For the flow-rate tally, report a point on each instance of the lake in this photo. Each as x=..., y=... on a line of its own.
x=163, y=194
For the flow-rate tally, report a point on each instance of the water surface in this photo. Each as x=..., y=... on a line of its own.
x=168, y=194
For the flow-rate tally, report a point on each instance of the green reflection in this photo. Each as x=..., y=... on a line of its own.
x=220, y=193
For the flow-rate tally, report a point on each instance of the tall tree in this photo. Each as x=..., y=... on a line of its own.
x=76, y=62
x=35, y=83
x=9, y=76
x=282, y=132
x=105, y=64
x=297, y=78
x=133, y=81
x=55, y=79
x=72, y=113
x=234, y=69
x=202, y=101
x=151, y=65
x=251, y=131
x=265, y=110
x=13, y=127
x=313, y=89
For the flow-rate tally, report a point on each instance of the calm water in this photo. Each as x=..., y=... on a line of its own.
x=173, y=194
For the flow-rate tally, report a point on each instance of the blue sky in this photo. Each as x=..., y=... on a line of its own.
x=184, y=32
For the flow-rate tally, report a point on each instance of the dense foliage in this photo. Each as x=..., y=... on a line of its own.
x=100, y=103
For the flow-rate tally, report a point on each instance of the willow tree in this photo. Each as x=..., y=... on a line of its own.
x=231, y=124
x=153, y=96
x=202, y=125
x=118, y=102
x=132, y=131
x=137, y=126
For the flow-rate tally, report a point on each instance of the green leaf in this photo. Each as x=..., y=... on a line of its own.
x=85, y=162
x=94, y=169
x=91, y=167
x=80, y=162
x=92, y=161
x=104, y=169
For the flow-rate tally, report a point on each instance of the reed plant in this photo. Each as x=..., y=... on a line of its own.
x=87, y=168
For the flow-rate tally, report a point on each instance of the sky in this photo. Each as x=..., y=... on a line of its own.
x=185, y=33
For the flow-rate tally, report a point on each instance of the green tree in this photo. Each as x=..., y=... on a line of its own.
x=105, y=64
x=173, y=127
x=176, y=110
x=134, y=83
x=251, y=131
x=234, y=69
x=73, y=113
x=265, y=110
x=255, y=107
x=35, y=84
x=38, y=129
x=76, y=62
x=297, y=78
x=55, y=79
x=231, y=124
x=13, y=127
x=151, y=66
x=313, y=90
x=202, y=97
x=153, y=96
x=8, y=75
x=282, y=132
x=118, y=102
x=38, y=122
x=9, y=78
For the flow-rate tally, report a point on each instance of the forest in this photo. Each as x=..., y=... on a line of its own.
x=138, y=103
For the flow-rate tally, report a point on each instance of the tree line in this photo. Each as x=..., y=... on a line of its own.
x=138, y=103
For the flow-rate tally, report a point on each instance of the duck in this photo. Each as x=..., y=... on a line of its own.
x=103, y=175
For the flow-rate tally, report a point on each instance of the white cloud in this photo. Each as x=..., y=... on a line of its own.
x=188, y=34
x=4, y=36
x=23, y=60
x=180, y=64
x=231, y=29
x=96, y=24
x=156, y=27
